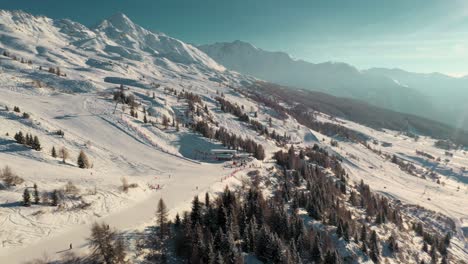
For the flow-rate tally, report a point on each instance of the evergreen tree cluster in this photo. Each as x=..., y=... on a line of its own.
x=269, y=101
x=230, y=140
x=307, y=119
x=404, y=166
x=445, y=144
x=303, y=115
x=234, y=109
x=245, y=222
x=28, y=140
x=195, y=106
x=438, y=243
x=425, y=154
x=325, y=198
x=170, y=90
x=376, y=206
x=56, y=71
x=219, y=231
x=14, y=57
x=189, y=96
x=237, y=111
x=48, y=198
x=60, y=133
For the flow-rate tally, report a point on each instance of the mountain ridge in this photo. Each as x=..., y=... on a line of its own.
x=339, y=79
x=117, y=30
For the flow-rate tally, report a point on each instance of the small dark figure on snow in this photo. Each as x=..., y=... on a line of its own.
x=71, y=246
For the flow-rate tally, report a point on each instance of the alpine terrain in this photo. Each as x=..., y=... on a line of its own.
x=123, y=145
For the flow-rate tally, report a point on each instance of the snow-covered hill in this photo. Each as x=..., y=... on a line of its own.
x=147, y=109
x=116, y=45
x=339, y=79
x=447, y=92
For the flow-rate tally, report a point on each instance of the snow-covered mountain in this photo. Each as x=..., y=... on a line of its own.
x=120, y=31
x=115, y=117
x=116, y=38
x=446, y=92
x=339, y=79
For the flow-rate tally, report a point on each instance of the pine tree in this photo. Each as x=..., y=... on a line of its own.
x=28, y=140
x=36, y=195
x=20, y=138
x=161, y=218
x=54, y=152
x=364, y=247
x=433, y=254
x=195, y=215
x=36, y=144
x=177, y=222
x=363, y=233
x=207, y=200
x=83, y=161
x=26, y=198
x=374, y=247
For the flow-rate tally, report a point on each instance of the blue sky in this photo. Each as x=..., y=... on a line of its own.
x=417, y=35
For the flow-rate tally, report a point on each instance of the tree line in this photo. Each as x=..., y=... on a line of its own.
x=28, y=140
x=230, y=140
x=228, y=107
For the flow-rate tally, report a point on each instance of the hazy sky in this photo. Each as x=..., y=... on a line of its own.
x=416, y=35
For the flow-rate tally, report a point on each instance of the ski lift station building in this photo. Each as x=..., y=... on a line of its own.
x=224, y=154
x=229, y=154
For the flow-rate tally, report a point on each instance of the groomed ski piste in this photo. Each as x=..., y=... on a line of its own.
x=160, y=162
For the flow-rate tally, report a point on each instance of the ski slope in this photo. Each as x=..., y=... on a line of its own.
x=118, y=52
